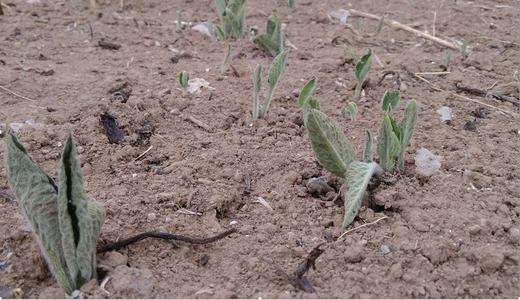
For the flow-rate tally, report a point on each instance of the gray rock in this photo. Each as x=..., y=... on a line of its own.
x=132, y=282
x=318, y=186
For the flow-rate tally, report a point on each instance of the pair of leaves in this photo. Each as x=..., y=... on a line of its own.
x=394, y=138
x=274, y=74
x=232, y=19
x=66, y=226
x=272, y=40
x=306, y=98
x=361, y=71
x=335, y=153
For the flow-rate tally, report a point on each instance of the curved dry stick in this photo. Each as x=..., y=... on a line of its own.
x=165, y=236
x=398, y=25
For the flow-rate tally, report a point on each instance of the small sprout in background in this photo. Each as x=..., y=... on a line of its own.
x=274, y=74
x=232, y=19
x=66, y=225
x=257, y=86
x=380, y=25
x=290, y=5
x=350, y=110
x=447, y=61
x=178, y=23
x=464, y=49
x=360, y=24
x=390, y=100
x=305, y=97
x=272, y=40
x=394, y=137
x=224, y=66
x=183, y=82
x=361, y=71
x=367, y=151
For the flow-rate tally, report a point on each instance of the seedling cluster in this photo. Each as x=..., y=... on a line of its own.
x=335, y=152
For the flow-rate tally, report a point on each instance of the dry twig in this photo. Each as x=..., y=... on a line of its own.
x=361, y=226
x=398, y=25
x=15, y=94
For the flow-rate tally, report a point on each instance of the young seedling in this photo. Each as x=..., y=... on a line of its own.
x=178, y=23
x=334, y=151
x=290, y=5
x=272, y=40
x=447, y=61
x=225, y=62
x=464, y=49
x=232, y=19
x=275, y=72
x=183, y=82
x=65, y=224
x=351, y=110
x=394, y=138
x=380, y=25
x=361, y=71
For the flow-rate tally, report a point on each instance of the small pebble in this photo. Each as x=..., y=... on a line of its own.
x=384, y=249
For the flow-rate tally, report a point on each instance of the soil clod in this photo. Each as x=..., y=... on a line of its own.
x=108, y=45
x=114, y=134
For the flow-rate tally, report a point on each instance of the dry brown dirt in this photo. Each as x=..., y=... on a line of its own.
x=453, y=235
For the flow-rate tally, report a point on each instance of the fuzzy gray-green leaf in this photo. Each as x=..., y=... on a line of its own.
x=367, y=151
x=390, y=101
x=76, y=224
x=37, y=196
x=357, y=177
x=330, y=145
x=361, y=70
x=275, y=72
x=272, y=40
x=257, y=85
x=183, y=79
x=221, y=8
x=388, y=146
x=407, y=126
x=351, y=110
x=306, y=92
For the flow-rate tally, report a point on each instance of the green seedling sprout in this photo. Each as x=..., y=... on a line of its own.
x=272, y=40
x=335, y=152
x=367, y=151
x=360, y=24
x=232, y=19
x=464, y=49
x=225, y=62
x=447, y=61
x=351, y=110
x=380, y=25
x=65, y=224
x=362, y=67
x=178, y=23
x=290, y=5
x=274, y=75
x=394, y=137
x=183, y=82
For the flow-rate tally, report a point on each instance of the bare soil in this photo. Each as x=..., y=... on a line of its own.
x=455, y=234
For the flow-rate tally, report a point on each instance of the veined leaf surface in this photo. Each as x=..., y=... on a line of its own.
x=306, y=92
x=388, y=145
x=358, y=176
x=275, y=71
x=328, y=142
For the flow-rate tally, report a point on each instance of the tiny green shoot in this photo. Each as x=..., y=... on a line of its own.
x=464, y=49
x=362, y=67
x=380, y=25
x=183, y=82
x=290, y=5
x=227, y=55
x=274, y=75
x=272, y=40
x=394, y=137
x=350, y=110
x=232, y=19
x=178, y=22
